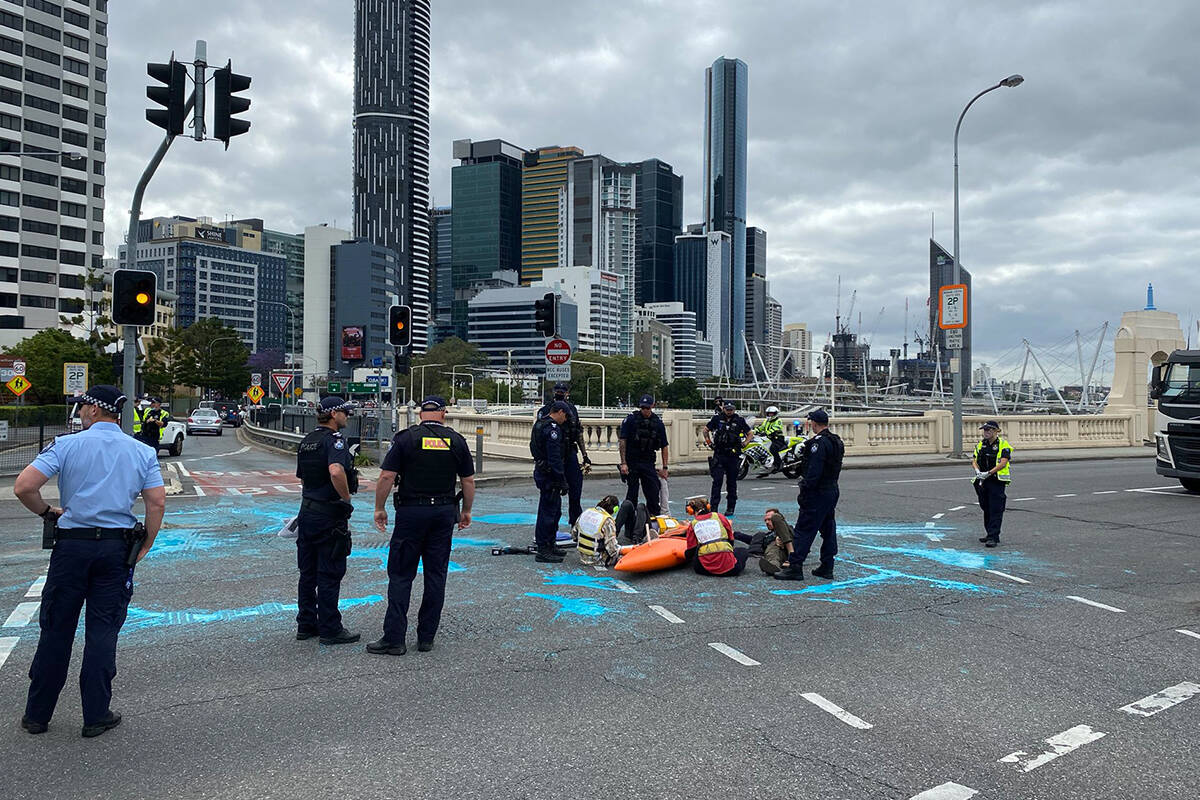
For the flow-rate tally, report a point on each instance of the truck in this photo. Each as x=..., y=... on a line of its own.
x=1175, y=385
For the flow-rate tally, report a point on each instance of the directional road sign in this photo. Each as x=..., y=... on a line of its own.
x=334, y=387
x=382, y=380
x=360, y=388
x=19, y=385
x=256, y=394
x=75, y=378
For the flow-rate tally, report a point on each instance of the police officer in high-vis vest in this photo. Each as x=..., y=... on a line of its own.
x=574, y=447
x=642, y=434
x=326, y=469
x=424, y=463
x=547, y=445
x=818, y=500
x=725, y=433
x=992, y=477
x=148, y=422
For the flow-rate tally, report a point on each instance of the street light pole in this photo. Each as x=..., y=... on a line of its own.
x=292, y=325
x=1010, y=81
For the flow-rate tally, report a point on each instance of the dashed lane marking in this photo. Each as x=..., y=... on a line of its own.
x=1161, y=701
x=762, y=488
x=938, y=516
x=22, y=614
x=1019, y=499
x=736, y=655
x=947, y=791
x=930, y=480
x=624, y=587
x=667, y=615
x=1060, y=744
x=182, y=469
x=36, y=589
x=199, y=491
x=1085, y=601
x=1006, y=575
x=1186, y=632
x=956, y=508
x=839, y=712
x=930, y=525
x=1064, y=495
x=7, y=643
x=1110, y=491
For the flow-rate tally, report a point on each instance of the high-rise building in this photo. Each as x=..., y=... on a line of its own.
x=291, y=247
x=706, y=359
x=654, y=342
x=501, y=321
x=703, y=284
x=660, y=220
x=757, y=292
x=364, y=282
x=941, y=273
x=319, y=241
x=599, y=297
x=543, y=208
x=756, y=252
x=53, y=108
x=485, y=213
x=442, y=296
x=682, y=323
x=797, y=338
x=773, y=354
x=391, y=142
x=725, y=164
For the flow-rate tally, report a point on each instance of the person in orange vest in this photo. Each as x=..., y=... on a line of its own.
x=710, y=538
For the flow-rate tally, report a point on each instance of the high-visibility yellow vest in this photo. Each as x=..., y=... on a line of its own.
x=1005, y=473
x=711, y=537
x=590, y=530
x=139, y=414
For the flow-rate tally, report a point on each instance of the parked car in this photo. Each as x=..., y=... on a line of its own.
x=233, y=416
x=204, y=420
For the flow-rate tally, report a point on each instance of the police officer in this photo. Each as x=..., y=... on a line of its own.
x=641, y=434
x=423, y=464
x=575, y=447
x=772, y=428
x=148, y=422
x=100, y=473
x=326, y=469
x=817, y=499
x=992, y=477
x=547, y=445
x=725, y=433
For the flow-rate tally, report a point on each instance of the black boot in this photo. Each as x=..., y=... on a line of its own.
x=341, y=637
x=790, y=573
x=546, y=555
x=824, y=571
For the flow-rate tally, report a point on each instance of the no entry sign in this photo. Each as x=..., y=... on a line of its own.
x=558, y=352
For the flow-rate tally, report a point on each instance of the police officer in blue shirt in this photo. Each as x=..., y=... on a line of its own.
x=725, y=433
x=547, y=445
x=641, y=434
x=424, y=463
x=101, y=471
x=818, y=498
x=326, y=469
x=575, y=446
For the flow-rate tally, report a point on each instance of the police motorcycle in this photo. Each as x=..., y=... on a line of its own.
x=757, y=453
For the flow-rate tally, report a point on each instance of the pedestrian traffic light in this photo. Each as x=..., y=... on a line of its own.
x=171, y=95
x=544, y=316
x=134, y=292
x=400, y=326
x=226, y=85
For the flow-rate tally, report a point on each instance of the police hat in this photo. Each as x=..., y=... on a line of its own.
x=561, y=387
x=647, y=401
x=334, y=403
x=819, y=416
x=992, y=424
x=728, y=405
x=433, y=403
x=102, y=396
x=559, y=405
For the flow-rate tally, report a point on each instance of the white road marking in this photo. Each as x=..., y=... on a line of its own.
x=36, y=589
x=938, y=516
x=1064, y=495
x=930, y=525
x=1084, y=600
x=1154, y=488
x=199, y=491
x=839, y=712
x=22, y=614
x=219, y=455
x=624, y=587
x=1019, y=499
x=762, y=488
x=934, y=537
x=599, y=568
x=1171, y=696
x=932, y=480
x=947, y=791
x=1060, y=745
x=1186, y=632
x=7, y=643
x=956, y=508
x=182, y=469
x=1006, y=575
x=667, y=615
x=736, y=655
x=1110, y=491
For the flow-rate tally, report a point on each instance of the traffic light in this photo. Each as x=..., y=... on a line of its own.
x=171, y=95
x=544, y=317
x=226, y=85
x=400, y=326
x=134, y=292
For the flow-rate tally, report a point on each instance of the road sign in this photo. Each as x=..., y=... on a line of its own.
x=297, y=391
x=75, y=378
x=282, y=381
x=19, y=385
x=18, y=367
x=952, y=306
x=334, y=387
x=558, y=372
x=382, y=380
x=256, y=394
x=360, y=388
x=377, y=361
x=256, y=379
x=954, y=339
x=558, y=352
x=3, y=430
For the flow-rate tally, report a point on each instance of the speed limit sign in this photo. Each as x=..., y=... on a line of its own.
x=75, y=378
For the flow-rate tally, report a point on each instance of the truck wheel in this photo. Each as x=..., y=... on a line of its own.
x=177, y=448
x=1191, y=484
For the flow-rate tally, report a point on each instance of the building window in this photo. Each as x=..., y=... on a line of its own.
x=74, y=186
x=71, y=305
x=99, y=121
x=72, y=234
x=75, y=90
x=33, y=226
x=98, y=167
x=10, y=173
x=74, y=210
x=42, y=30
x=33, y=101
x=42, y=80
x=8, y=70
x=45, y=7
x=71, y=258
x=8, y=300
x=101, y=75
x=45, y=203
x=10, y=20
x=101, y=28
x=101, y=51
x=71, y=281
x=33, y=251
x=10, y=45
x=77, y=67
x=41, y=177
x=10, y=198
x=37, y=301
x=42, y=55
x=75, y=18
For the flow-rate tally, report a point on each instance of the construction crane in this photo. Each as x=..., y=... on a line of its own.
x=871, y=338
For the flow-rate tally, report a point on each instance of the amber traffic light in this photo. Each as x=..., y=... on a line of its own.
x=133, y=297
x=400, y=326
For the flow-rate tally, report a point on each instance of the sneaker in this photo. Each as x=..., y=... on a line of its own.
x=824, y=571
x=382, y=647
x=425, y=647
x=548, y=556
x=34, y=727
x=111, y=721
x=341, y=637
x=303, y=634
x=992, y=543
x=790, y=573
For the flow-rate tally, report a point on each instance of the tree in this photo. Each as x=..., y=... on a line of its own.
x=213, y=357
x=683, y=393
x=45, y=353
x=628, y=378
x=169, y=362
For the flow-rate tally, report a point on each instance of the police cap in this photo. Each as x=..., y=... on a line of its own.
x=990, y=424
x=561, y=387
x=559, y=405
x=334, y=403
x=727, y=405
x=102, y=396
x=647, y=401
x=819, y=416
x=433, y=403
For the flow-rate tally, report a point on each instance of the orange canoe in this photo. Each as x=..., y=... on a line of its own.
x=662, y=553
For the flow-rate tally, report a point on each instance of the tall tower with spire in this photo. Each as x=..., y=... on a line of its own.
x=1149, y=298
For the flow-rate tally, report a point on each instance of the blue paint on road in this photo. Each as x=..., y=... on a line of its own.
x=883, y=575
x=139, y=618
x=587, y=607
x=583, y=581
x=945, y=555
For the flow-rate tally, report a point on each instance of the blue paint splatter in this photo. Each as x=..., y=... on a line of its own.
x=464, y=541
x=516, y=518
x=582, y=607
x=947, y=556
x=139, y=618
x=883, y=575
x=582, y=580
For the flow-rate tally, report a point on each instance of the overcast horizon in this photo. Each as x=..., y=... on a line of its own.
x=1077, y=187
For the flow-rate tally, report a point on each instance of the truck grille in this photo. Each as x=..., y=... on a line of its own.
x=1185, y=447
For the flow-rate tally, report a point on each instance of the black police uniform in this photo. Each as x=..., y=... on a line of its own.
x=427, y=458
x=323, y=532
x=547, y=445
x=643, y=437
x=727, y=433
x=818, y=498
x=572, y=430
x=992, y=491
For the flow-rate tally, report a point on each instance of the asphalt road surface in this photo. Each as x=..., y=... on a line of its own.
x=1065, y=664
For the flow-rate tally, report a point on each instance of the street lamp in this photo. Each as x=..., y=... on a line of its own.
x=210, y=346
x=292, y=325
x=1009, y=82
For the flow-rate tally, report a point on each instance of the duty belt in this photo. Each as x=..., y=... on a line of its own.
x=443, y=500
x=93, y=534
x=320, y=506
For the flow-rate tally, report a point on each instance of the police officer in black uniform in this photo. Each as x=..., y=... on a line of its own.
x=423, y=464
x=326, y=469
x=725, y=433
x=575, y=447
x=548, y=445
x=818, y=499
x=641, y=434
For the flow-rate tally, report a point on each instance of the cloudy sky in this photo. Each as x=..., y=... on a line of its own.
x=1077, y=187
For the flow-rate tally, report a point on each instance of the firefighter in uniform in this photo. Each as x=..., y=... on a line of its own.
x=818, y=500
x=148, y=422
x=96, y=541
x=424, y=463
x=547, y=445
x=641, y=434
x=595, y=533
x=326, y=469
x=725, y=433
x=992, y=476
x=574, y=448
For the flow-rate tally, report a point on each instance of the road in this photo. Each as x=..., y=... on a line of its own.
x=1063, y=665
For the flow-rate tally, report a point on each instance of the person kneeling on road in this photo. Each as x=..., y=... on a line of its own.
x=710, y=538
x=595, y=533
x=777, y=542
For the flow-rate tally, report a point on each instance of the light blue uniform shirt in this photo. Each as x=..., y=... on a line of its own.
x=100, y=472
